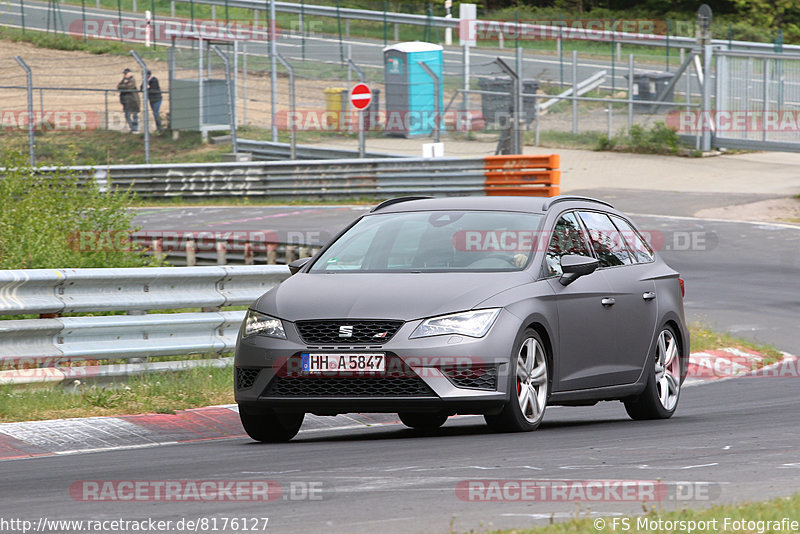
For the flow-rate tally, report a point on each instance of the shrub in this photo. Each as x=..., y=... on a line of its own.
x=44, y=214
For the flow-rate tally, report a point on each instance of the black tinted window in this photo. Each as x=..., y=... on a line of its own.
x=642, y=252
x=567, y=238
x=608, y=244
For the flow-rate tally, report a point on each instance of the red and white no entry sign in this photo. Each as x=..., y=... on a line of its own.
x=361, y=96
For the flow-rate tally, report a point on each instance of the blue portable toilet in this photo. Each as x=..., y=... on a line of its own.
x=410, y=91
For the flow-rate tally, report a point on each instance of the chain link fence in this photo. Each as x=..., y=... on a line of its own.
x=575, y=82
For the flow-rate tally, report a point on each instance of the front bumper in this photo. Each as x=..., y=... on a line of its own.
x=437, y=373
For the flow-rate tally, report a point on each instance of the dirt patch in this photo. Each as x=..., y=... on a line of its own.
x=783, y=210
x=81, y=81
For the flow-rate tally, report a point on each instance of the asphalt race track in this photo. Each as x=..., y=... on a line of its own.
x=730, y=440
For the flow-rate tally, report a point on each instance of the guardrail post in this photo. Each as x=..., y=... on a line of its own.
x=272, y=253
x=29, y=85
x=158, y=249
x=191, y=253
x=289, y=254
x=302, y=252
x=222, y=253
x=145, y=107
x=249, y=258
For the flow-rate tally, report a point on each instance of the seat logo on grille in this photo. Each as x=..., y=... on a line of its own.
x=345, y=331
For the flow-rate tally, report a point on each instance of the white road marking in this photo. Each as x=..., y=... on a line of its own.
x=760, y=224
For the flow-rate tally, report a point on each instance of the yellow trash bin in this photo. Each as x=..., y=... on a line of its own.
x=336, y=105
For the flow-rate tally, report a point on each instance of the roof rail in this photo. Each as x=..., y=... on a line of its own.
x=569, y=198
x=387, y=203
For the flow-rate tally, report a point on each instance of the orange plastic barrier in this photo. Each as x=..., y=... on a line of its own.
x=532, y=176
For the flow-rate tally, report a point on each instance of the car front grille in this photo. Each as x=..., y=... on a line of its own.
x=360, y=332
x=246, y=377
x=399, y=380
x=484, y=377
x=347, y=387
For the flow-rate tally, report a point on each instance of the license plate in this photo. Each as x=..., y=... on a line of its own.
x=351, y=363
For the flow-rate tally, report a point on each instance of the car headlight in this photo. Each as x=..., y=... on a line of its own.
x=472, y=323
x=263, y=325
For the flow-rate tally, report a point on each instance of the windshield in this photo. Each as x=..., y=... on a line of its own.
x=434, y=241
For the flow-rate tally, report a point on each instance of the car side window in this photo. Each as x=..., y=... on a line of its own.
x=606, y=240
x=642, y=253
x=567, y=238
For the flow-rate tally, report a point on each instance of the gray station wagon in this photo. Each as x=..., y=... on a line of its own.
x=499, y=306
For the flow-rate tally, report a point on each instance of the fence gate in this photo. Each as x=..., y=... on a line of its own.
x=757, y=101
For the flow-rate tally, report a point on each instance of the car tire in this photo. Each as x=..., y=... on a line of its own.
x=270, y=427
x=529, y=387
x=663, y=367
x=423, y=421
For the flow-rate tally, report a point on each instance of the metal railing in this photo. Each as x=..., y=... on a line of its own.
x=55, y=340
x=372, y=177
x=348, y=178
x=647, y=39
x=269, y=151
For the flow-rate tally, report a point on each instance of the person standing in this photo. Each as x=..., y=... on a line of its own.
x=154, y=97
x=129, y=98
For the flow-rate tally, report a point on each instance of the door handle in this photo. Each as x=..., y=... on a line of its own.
x=608, y=301
x=649, y=295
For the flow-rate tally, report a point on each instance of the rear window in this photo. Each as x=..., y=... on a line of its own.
x=608, y=244
x=434, y=241
x=642, y=253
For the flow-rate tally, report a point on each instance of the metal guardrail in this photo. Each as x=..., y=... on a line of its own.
x=58, y=291
x=210, y=248
x=52, y=340
x=269, y=151
x=521, y=28
x=369, y=177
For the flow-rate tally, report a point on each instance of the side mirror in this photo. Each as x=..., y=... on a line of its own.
x=296, y=265
x=574, y=266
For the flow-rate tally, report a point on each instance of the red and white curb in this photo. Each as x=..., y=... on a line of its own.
x=712, y=365
x=70, y=436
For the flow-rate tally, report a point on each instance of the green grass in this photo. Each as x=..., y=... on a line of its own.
x=658, y=139
x=704, y=338
x=62, y=41
x=771, y=510
x=558, y=139
x=102, y=147
x=151, y=393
